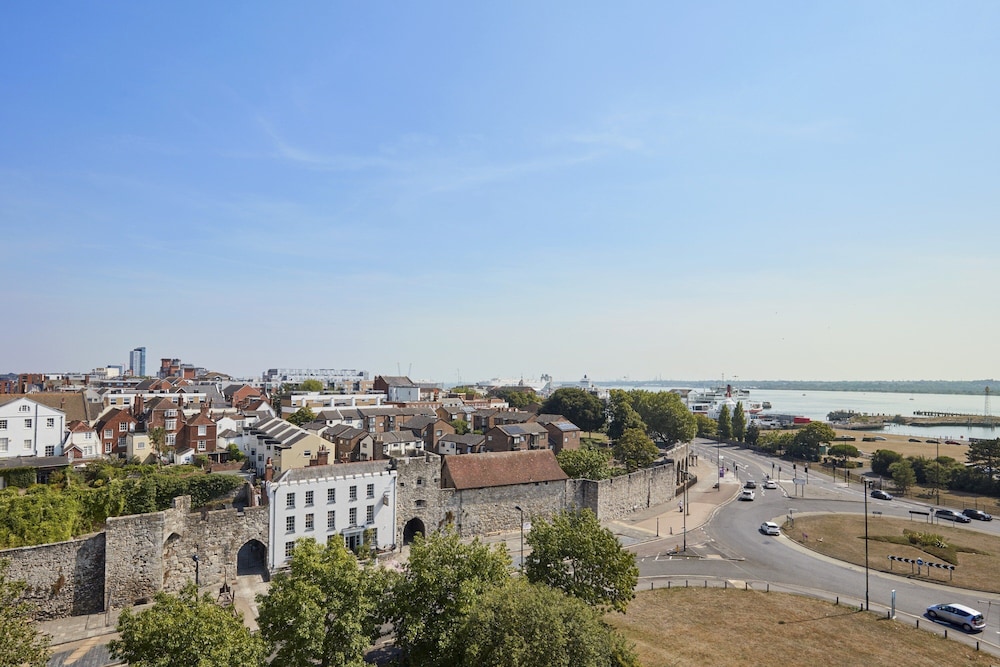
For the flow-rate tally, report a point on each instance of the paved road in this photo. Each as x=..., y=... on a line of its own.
x=731, y=548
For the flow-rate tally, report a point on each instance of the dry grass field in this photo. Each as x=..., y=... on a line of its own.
x=842, y=536
x=902, y=444
x=693, y=626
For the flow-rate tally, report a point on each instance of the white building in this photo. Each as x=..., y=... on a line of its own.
x=340, y=501
x=28, y=428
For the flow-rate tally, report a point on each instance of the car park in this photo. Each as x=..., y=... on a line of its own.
x=770, y=484
x=964, y=617
x=952, y=515
x=748, y=494
x=978, y=515
x=770, y=528
x=881, y=495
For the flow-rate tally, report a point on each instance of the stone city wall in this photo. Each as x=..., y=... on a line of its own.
x=620, y=496
x=492, y=510
x=63, y=579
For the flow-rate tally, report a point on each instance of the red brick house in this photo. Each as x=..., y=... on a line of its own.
x=509, y=437
x=241, y=395
x=563, y=434
x=200, y=434
x=112, y=431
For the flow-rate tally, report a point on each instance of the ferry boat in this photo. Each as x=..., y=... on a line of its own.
x=709, y=402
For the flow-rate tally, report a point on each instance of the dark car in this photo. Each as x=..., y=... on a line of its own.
x=952, y=515
x=978, y=515
x=933, y=442
x=915, y=440
x=881, y=495
x=952, y=442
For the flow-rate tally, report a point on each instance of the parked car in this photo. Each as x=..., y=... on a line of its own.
x=770, y=528
x=952, y=515
x=770, y=484
x=966, y=618
x=915, y=440
x=880, y=438
x=881, y=495
x=750, y=484
x=952, y=442
x=978, y=515
x=748, y=494
x=933, y=442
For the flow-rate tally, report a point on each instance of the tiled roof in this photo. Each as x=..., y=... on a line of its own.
x=72, y=403
x=522, y=429
x=467, y=439
x=549, y=419
x=479, y=471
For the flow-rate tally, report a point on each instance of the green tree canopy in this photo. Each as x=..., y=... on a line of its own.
x=985, y=455
x=725, y=423
x=521, y=624
x=20, y=642
x=311, y=385
x=883, y=458
x=183, y=630
x=707, y=427
x=303, y=415
x=585, y=463
x=903, y=476
x=635, y=450
x=573, y=553
x=666, y=417
x=579, y=406
x=441, y=583
x=809, y=438
x=739, y=422
x=326, y=607
x=844, y=451
x=460, y=425
x=621, y=415
x=517, y=397
x=467, y=391
x=753, y=434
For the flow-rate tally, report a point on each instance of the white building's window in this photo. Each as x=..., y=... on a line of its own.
x=4, y=444
x=289, y=546
x=27, y=423
x=309, y=521
x=27, y=444
x=25, y=408
x=331, y=495
x=370, y=514
x=331, y=520
x=3, y=424
x=50, y=422
x=50, y=450
x=352, y=516
x=352, y=493
x=289, y=524
x=87, y=435
x=370, y=491
x=309, y=498
x=290, y=501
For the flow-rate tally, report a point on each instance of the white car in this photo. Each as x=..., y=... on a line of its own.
x=770, y=528
x=770, y=484
x=746, y=494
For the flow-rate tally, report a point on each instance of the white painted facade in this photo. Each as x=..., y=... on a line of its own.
x=339, y=501
x=28, y=428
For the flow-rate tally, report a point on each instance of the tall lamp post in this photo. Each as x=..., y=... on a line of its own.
x=197, y=569
x=937, y=469
x=867, y=483
x=686, y=507
x=518, y=508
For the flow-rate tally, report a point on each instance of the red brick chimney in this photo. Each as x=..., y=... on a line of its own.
x=269, y=470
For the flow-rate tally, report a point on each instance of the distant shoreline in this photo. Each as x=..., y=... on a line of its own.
x=967, y=387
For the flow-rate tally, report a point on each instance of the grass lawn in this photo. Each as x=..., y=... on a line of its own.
x=695, y=626
x=842, y=536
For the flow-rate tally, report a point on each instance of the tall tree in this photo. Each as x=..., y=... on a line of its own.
x=303, y=415
x=20, y=642
x=441, y=583
x=666, y=417
x=809, y=438
x=635, y=450
x=753, y=434
x=985, y=455
x=579, y=406
x=575, y=554
x=621, y=415
x=844, y=451
x=739, y=422
x=460, y=425
x=883, y=458
x=529, y=625
x=725, y=423
x=707, y=427
x=517, y=397
x=311, y=385
x=903, y=476
x=183, y=629
x=325, y=608
x=585, y=463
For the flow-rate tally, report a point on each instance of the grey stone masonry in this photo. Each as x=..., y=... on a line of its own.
x=63, y=579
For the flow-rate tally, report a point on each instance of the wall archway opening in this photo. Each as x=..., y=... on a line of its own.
x=413, y=528
x=252, y=559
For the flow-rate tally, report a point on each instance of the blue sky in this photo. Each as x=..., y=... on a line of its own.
x=685, y=190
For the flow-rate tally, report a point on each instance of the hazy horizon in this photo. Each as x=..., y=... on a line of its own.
x=470, y=191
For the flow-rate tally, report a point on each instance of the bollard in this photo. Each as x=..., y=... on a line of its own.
x=769, y=587
x=946, y=633
x=668, y=584
x=918, y=624
x=888, y=614
x=746, y=586
x=685, y=583
x=651, y=585
x=838, y=600
x=706, y=583
x=977, y=644
x=725, y=585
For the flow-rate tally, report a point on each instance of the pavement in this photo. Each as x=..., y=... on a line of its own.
x=81, y=641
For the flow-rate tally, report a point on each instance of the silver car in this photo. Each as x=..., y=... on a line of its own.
x=966, y=618
x=770, y=528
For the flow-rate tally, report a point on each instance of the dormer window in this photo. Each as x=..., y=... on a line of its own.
x=25, y=408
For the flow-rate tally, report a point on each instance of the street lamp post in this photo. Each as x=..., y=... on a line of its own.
x=866, y=545
x=684, y=517
x=518, y=508
x=197, y=569
x=937, y=469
